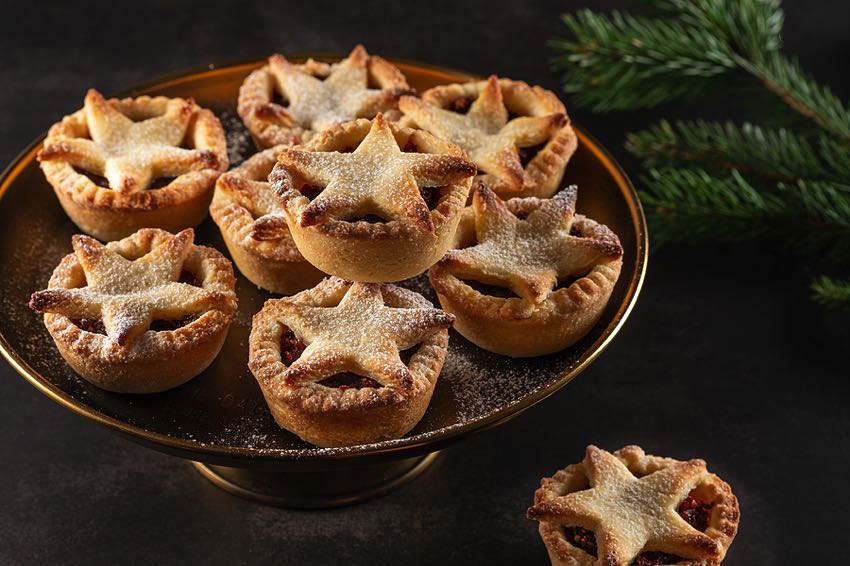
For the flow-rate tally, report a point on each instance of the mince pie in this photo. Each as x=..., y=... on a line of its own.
x=120, y=165
x=287, y=103
x=519, y=136
x=139, y=315
x=348, y=363
x=630, y=508
x=372, y=201
x=255, y=231
x=534, y=277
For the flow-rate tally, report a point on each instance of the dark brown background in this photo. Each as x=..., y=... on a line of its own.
x=724, y=357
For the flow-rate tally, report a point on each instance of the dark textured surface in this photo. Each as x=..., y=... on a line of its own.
x=724, y=357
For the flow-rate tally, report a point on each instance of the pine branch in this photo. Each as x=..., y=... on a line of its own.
x=694, y=205
x=816, y=102
x=621, y=62
x=709, y=181
x=751, y=28
x=831, y=293
x=777, y=154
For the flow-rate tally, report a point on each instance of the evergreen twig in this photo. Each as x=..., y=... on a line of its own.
x=710, y=181
x=831, y=293
x=772, y=153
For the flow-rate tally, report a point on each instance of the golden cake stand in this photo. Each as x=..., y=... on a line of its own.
x=219, y=420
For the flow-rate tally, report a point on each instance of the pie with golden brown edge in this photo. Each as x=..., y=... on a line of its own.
x=518, y=135
x=534, y=277
x=255, y=231
x=630, y=508
x=348, y=363
x=142, y=314
x=372, y=201
x=288, y=103
x=120, y=165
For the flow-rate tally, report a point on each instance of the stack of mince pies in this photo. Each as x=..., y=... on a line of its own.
x=358, y=183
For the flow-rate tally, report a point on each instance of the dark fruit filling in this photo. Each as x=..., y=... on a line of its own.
x=586, y=541
x=526, y=154
x=347, y=149
x=431, y=195
x=160, y=182
x=102, y=182
x=696, y=513
x=565, y=282
x=348, y=380
x=290, y=350
x=581, y=538
x=410, y=147
x=189, y=277
x=653, y=558
x=172, y=324
x=290, y=347
x=461, y=105
x=492, y=290
x=407, y=355
x=311, y=191
x=575, y=231
x=277, y=98
x=370, y=218
x=93, y=325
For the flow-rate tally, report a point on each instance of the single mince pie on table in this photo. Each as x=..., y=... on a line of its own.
x=519, y=136
x=534, y=277
x=288, y=103
x=255, y=231
x=348, y=363
x=372, y=201
x=139, y=315
x=120, y=165
x=630, y=508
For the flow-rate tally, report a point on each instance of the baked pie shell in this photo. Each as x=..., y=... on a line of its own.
x=332, y=417
x=109, y=214
x=376, y=253
x=514, y=326
x=155, y=361
x=259, y=113
x=723, y=524
x=275, y=265
x=545, y=171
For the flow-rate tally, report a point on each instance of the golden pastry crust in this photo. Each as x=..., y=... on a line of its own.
x=125, y=145
x=356, y=330
x=628, y=501
x=102, y=300
x=317, y=95
x=528, y=256
x=254, y=229
x=364, y=168
x=500, y=144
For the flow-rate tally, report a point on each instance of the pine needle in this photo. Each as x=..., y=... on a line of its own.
x=831, y=293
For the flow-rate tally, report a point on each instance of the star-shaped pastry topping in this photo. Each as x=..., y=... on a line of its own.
x=343, y=95
x=360, y=335
x=630, y=514
x=131, y=154
x=485, y=132
x=257, y=197
x=376, y=178
x=127, y=295
x=528, y=255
